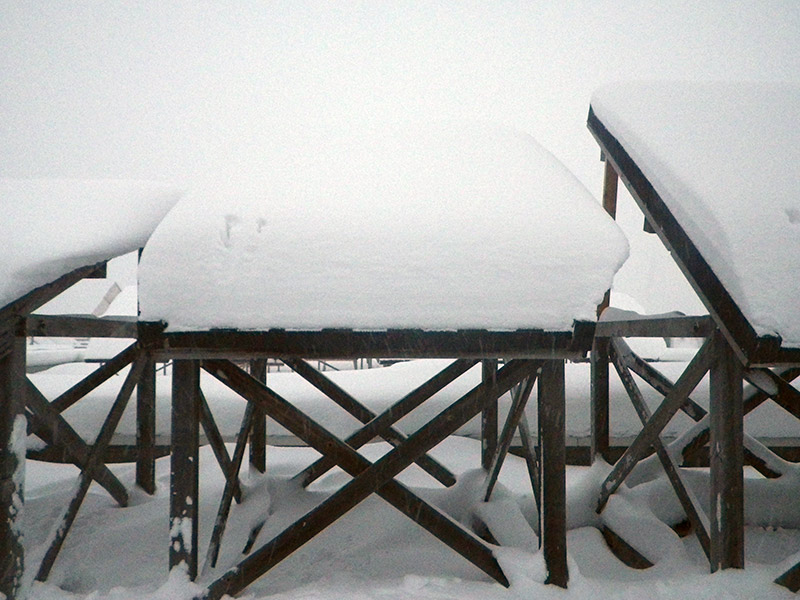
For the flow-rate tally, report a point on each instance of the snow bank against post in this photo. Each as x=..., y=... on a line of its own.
x=51, y=227
x=437, y=227
x=724, y=158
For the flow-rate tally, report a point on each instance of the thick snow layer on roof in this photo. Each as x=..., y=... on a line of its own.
x=724, y=158
x=51, y=227
x=437, y=227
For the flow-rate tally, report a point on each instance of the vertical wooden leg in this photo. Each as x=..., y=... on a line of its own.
x=146, y=427
x=599, y=400
x=552, y=439
x=726, y=457
x=489, y=414
x=12, y=462
x=258, y=435
x=184, y=467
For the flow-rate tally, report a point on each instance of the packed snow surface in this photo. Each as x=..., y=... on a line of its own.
x=723, y=157
x=51, y=227
x=436, y=226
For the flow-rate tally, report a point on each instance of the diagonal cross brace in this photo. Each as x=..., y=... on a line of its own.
x=363, y=414
x=674, y=399
x=368, y=477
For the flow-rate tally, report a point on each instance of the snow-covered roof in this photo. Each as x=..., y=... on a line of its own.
x=724, y=159
x=446, y=226
x=51, y=227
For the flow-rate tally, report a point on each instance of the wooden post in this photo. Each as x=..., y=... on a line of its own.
x=726, y=458
x=258, y=434
x=184, y=467
x=553, y=507
x=489, y=413
x=610, y=185
x=146, y=427
x=12, y=461
x=599, y=400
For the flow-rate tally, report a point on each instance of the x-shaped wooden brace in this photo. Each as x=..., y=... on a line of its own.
x=368, y=477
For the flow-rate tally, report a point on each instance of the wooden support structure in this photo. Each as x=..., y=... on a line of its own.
x=183, y=518
x=553, y=502
x=599, y=401
x=146, y=426
x=258, y=434
x=12, y=462
x=489, y=420
x=726, y=459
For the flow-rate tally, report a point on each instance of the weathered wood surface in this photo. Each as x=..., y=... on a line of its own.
x=12, y=439
x=553, y=492
x=146, y=425
x=258, y=433
x=726, y=459
x=610, y=185
x=81, y=326
x=599, y=401
x=489, y=418
x=183, y=505
x=676, y=398
x=673, y=326
x=365, y=415
x=367, y=478
x=329, y=344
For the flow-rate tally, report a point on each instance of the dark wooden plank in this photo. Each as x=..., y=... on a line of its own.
x=520, y=396
x=46, y=420
x=24, y=305
x=671, y=326
x=531, y=457
x=370, y=479
x=757, y=397
x=610, y=184
x=81, y=326
x=690, y=505
x=391, y=415
x=346, y=343
x=623, y=550
x=694, y=372
x=657, y=380
x=87, y=474
x=217, y=444
x=752, y=349
x=258, y=434
x=489, y=413
x=363, y=414
x=12, y=467
x=790, y=579
x=552, y=453
x=599, y=400
x=95, y=379
x=726, y=458
x=184, y=466
x=146, y=426
x=115, y=453
x=231, y=485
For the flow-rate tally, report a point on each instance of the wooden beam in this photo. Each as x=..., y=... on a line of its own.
x=45, y=420
x=367, y=478
x=24, y=305
x=726, y=459
x=489, y=413
x=12, y=466
x=599, y=401
x=183, y=516
x=610, y=184
x=662, y=327
x=258, y=434
x=347, y=343
x=146, y=426
x=94, y=461
x=672, y=402
x=552, y=454
x=217, y=444
x=520, y=396
x=81, y=326
x=363, y=414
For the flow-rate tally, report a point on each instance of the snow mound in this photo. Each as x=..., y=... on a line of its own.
x=445, y=226
x=723, y=157
x=51, y=227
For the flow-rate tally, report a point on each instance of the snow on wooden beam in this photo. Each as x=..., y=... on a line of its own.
x=81, y=326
